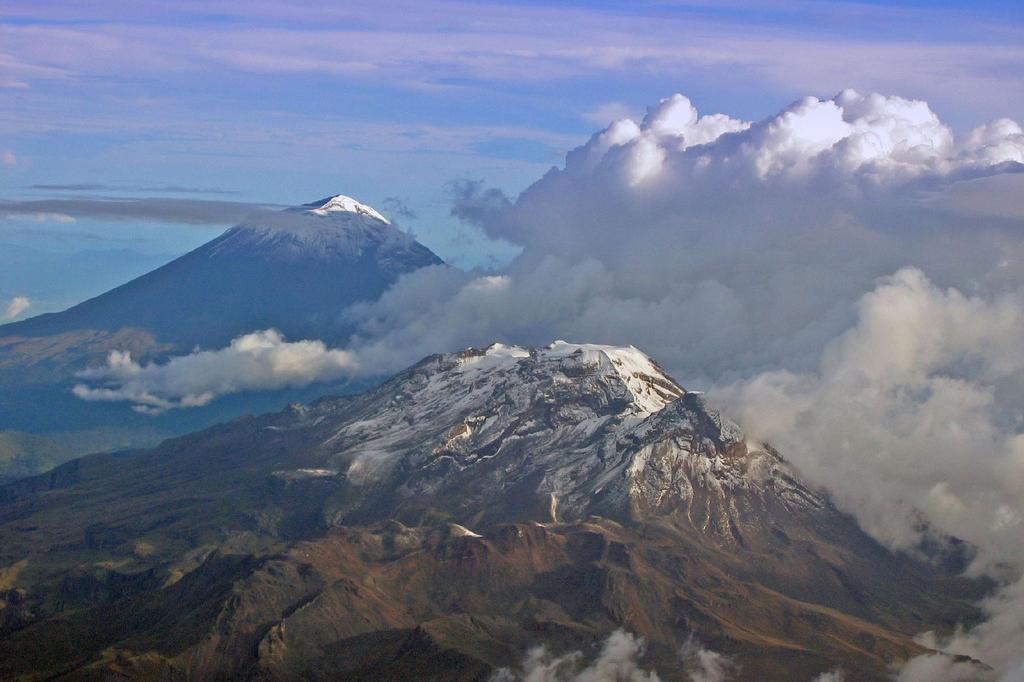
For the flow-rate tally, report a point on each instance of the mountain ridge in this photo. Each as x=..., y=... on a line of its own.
x=471, y=506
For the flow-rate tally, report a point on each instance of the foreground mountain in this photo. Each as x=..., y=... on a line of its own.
x=296, y=270
x=471, y=507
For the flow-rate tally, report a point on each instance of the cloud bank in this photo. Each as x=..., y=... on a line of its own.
x=722, y=246
x=258, y=361
x=920, y=403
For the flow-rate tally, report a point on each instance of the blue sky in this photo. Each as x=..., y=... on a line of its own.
x=285, y=102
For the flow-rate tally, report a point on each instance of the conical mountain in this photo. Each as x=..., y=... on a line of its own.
x=294, y=270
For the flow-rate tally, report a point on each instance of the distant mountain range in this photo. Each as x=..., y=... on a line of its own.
x=439, y=525
x=295, y=270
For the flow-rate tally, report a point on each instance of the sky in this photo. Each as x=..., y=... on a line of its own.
x=285, y=102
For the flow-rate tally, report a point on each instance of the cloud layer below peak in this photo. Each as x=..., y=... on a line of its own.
x=258, y=361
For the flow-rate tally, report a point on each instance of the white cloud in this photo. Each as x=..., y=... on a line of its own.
x=703, y=664
x=836, y=675
x=942, y=668
x=257, y=361
x=617, y=662
x=16, y=307
x=996, y=641
x=719, y=246
x=920, y=403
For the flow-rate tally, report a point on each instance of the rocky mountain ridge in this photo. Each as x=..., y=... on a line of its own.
x=576, y=428
x=445, y=521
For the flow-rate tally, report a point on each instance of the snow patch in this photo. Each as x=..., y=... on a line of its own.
x=341, y=203
x=651, y=388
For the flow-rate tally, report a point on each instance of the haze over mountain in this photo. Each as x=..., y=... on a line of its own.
x=441, y=524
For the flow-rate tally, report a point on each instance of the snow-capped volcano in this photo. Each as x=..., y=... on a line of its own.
x=479, y=499
x=341, y=203
x=574, y=428
x=295, y=270
x=335, y=227
x=648, y=385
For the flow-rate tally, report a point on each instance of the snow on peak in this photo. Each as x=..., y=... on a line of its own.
x=341, y=203
x=650, y=387
x=590, y=428
x=332, y=227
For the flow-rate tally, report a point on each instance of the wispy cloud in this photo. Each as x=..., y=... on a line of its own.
x=159, y=209
x=97, y=187
x=492, y=42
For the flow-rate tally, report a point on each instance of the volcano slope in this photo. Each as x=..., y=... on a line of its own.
x=441, y=524
x=296, y=271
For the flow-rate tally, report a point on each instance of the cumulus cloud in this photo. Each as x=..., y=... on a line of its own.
x=617, y=662
x=16, y=307
x=920, y=403
x=723, y=246
x=703, y=664
x=261, y=360
x=836, y=675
